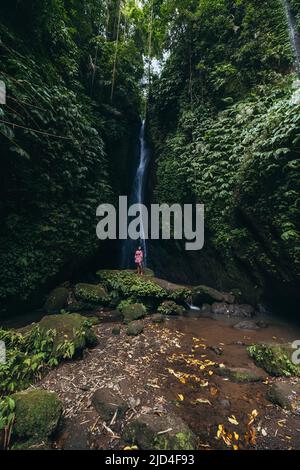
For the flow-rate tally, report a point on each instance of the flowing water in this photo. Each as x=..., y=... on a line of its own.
x=138, y=197
x=294, y=35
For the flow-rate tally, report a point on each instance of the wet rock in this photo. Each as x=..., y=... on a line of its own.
x=158, y=318
x=276, y=359
x=37, y=414
x=206, y=309
x=134, y=312
x=107, y=402
x=240, y=374
x=135, y=329
x=217, y=350
x=92, y=293
x=169, y=307
x=286, y=395
x=177, y=292
x=77, y=307
x=151, y=432
x=113, y=316
x=247, y=325
x=242, y=311
x=225, y=404
x=204, y=294
x=57, y=300
x=67, y=326
x=116, y=331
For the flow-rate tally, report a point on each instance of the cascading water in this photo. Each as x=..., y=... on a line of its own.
x=294, y=35
x=138, y=197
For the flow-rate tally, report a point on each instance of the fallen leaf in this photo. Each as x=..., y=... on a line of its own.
x=232, y=419
x=180, y=396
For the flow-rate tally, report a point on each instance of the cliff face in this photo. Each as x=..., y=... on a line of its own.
x=66, y=146
x=231, y=142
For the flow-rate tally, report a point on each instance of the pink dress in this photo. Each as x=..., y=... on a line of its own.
x=138, y=259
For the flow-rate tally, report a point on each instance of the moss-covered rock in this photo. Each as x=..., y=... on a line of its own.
x=133, y=312
x=240, y=374
x=57, y=300
x=169, y=307
x=135, y=329
x=37, y=414
x=158, y=318
x=204, y=294
x=107, y=402
x=177, y=292
x=145, y=432
x=276, y=359
x=69, y=327
x=286, y=395
x=92, y=293
x=32, y=444
x=130, y=285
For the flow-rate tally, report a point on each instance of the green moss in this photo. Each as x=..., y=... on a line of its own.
x=57, y=299
x=181, y=441
x=134, y=312
x=94, y=294
x=69, y=327
x=275, y=359
x=130, y=285
x=170, y=307
x=37, y=414
x=149, y=433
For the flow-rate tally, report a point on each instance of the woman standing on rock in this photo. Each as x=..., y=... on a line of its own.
x=138, y=259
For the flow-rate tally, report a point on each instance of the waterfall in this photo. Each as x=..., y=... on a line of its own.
x=138, y=197
x=294, y=35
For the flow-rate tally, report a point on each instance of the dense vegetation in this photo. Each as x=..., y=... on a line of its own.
x=231, y=139
x=72, y=135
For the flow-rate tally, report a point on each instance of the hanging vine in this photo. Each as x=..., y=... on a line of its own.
x=113, y=81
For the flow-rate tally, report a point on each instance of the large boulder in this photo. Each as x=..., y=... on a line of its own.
x=204, y=294
x=176, y=292
x=151, y=432
x=249, y=325
x=135, y=329
x=233, y=310
x=37, y=414
x=92, y=293
x=240, y=374
x=69, y=327
x=57, y=300
x=107, y=403
x=286, y=395
x=276, y=359
x=134, y=312
x=129, y=285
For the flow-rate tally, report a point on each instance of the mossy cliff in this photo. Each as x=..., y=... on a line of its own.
x=231, y=142
x=71, y=145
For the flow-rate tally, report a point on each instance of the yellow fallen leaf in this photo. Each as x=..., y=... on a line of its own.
x=220, y=430
x=213, y=391
x=235, y=447
x=232, y=419
x=236, y=436
x=203, y=401
x=180, y=396
x=210, y=372
x=131, y=448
